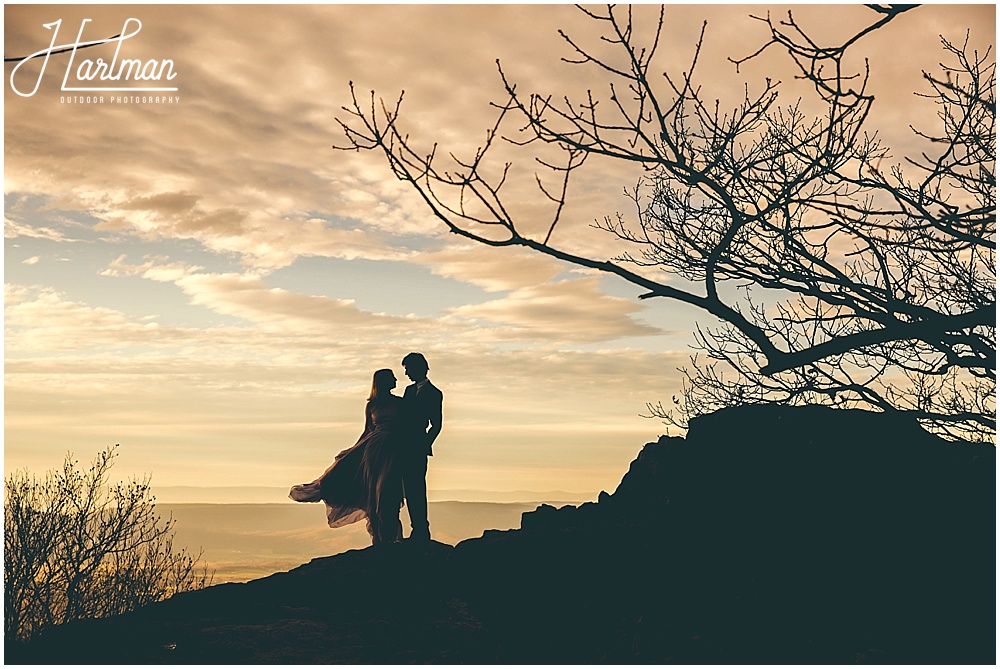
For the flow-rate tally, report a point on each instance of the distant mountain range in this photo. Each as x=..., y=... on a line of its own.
x=279, y=495
x=239, y=542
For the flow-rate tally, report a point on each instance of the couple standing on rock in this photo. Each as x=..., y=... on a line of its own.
x=388, y=464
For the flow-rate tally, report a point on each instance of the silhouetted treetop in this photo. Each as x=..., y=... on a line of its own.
x=839, y=272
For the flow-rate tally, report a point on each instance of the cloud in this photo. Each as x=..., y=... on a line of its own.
x=164, y=202
x=552, y=313
x=33, y=260
x=489, y=268
x=262, y=239
x=248, y=297
x=156, y=268
x=13, y=229
x=244, y=164
x=42, y=319
x=547, y=314
x=574, y=310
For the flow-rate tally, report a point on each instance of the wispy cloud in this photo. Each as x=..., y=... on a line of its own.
x=13, y=229
x=492, y=269
x=574, y=310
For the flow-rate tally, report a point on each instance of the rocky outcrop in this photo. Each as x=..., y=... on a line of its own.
x=768, y=535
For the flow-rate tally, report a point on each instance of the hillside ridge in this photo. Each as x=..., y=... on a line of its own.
x=768, y=534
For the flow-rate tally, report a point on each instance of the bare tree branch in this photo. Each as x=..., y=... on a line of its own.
x=879, y=278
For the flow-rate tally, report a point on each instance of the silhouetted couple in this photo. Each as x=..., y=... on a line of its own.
x=388, y=463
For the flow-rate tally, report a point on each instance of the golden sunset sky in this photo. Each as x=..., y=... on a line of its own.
x=209, y=284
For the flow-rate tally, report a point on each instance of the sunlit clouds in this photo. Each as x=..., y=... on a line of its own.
x=211, y=284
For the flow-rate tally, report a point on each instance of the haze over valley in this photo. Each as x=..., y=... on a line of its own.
x=242, y=541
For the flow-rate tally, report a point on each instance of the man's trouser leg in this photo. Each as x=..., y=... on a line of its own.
x=415, y=492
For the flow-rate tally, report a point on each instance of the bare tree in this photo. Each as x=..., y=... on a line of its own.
x=77, y=547
x=838, y=275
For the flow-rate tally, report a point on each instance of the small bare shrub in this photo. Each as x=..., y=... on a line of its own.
x=76, y=546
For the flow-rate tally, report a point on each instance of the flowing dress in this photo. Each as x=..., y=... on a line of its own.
x=364, y=482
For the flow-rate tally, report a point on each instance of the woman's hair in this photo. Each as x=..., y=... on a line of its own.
x=382, y=382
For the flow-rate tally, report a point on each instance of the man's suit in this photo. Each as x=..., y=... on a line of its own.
x=422, y=408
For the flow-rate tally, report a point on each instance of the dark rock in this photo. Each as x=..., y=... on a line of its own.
x=387, y=605
x=769, y=535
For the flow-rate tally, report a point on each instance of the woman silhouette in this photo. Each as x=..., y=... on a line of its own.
x=363, y=481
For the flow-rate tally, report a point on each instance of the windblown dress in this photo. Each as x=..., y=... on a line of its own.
x=364, y=482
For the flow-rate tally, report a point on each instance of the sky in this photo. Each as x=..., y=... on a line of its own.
x=206, y=282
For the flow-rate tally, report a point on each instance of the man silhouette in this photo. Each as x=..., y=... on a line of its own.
x=422, y=406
